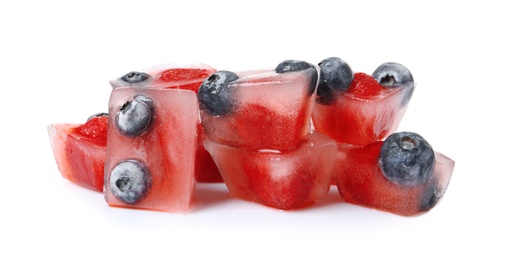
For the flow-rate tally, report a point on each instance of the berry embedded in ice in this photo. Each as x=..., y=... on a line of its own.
x=292, y=65
x=97, y=115
x=407, y=159
x=130, y=181
x=215, y=94
x=335, y=75
x=135, y=77
x=391, y=74
x=135, y=116
x=430, y=197
x=298, y=65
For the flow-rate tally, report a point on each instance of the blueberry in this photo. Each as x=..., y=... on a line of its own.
x=392, y=75
x=430, y=197
x=407, y=159
x=135, y=77
x=335, y=75
x=298, y=65
x=130, y=181
x=135, y=116
x=97, y=115
x=215, y=94
x=292, y=65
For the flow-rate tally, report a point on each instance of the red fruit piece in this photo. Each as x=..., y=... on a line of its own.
x=364, y=86
x=365, y=113
x=283, y=179
x=276, y=128
x=95, y=130
x=206, y=169
x=151, y=149
x=361, y=181
x=268, y=110
x=183, y=77
x=79, y=150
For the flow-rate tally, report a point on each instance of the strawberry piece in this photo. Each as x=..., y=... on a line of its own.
x=184, y=78
x=271, y=128
x=364, y=86
x=79, y=150
x=170, y=75
x=94, y=130
x=206, y=169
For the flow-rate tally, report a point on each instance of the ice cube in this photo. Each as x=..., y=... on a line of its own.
x=365, y=113
x=150, y=163
x=260, y=109
x=284, y=179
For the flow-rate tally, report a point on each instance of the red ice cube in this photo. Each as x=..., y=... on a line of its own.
x=79, y=150
x=151, y=148
x=268, y=110
x=361, y=181
x=284, y=179
x=364, y=113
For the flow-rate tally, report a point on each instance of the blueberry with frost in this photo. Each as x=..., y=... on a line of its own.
x=135, y=77
x=130, y=181
x=336, y=75
x=392, y=75
x=298, y=65
x=215, y=93
x=135, y=116
x=430, y=196
x=407, y=159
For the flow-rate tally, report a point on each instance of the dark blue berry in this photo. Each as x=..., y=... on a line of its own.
x=97, y=115
x=130, y=181
x=135, y=116
x=336, y=75
x=135, y=77
x=407, y=159
x=215, y=94
x=392, y=75
x=298, y=65
x=292, y=65
x=430, y=196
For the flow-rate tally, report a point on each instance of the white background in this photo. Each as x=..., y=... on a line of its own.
x=56, y=60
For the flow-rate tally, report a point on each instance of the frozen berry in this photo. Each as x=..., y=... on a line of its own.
x=430, y=197
x=97, y=115
x=391, y=74
x=130, y=181
x=214, y=95
x=298, y=65
x=292, y=65
x=135, y=116
x=406, y=158
x=335, y=75
x=135, y=77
